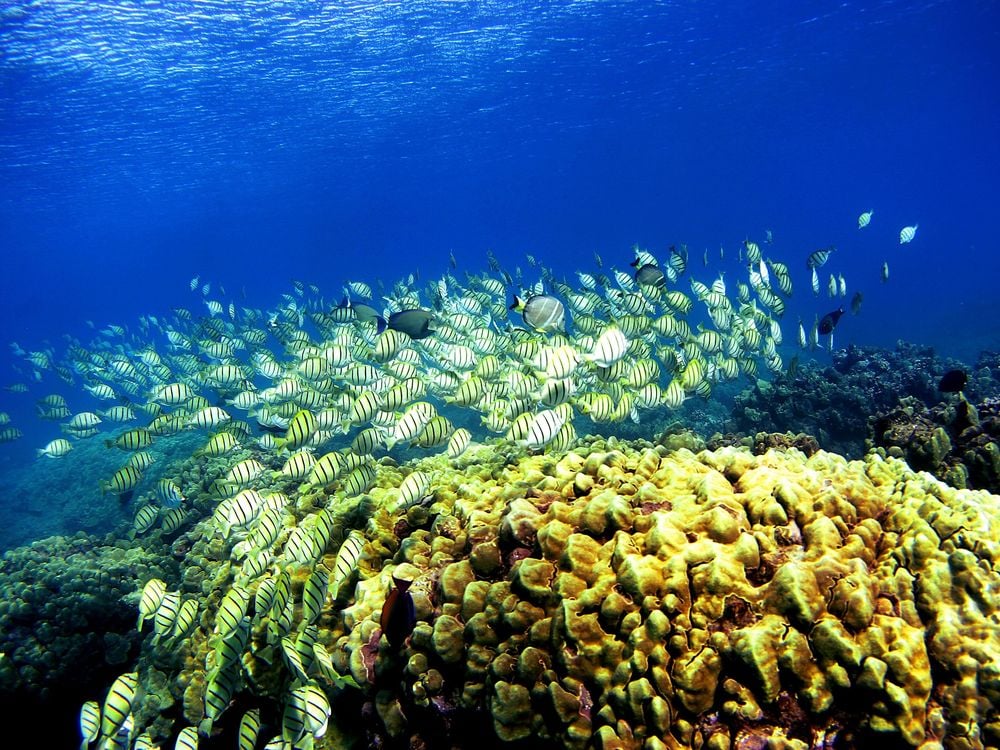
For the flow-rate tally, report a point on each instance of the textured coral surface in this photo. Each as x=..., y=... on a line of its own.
x=620, y=595
x=649, y=599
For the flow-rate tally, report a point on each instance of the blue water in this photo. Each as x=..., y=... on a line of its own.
x=254, y=143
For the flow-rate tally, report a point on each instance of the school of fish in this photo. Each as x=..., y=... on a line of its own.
x=301, y=397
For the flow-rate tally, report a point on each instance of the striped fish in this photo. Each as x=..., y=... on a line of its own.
x=243, y=473
x=314, y=594
x=168, y=493
x=359, y=481
x=906, y=234
x=544, y=427
x=219, y=691
x=187, y=739
x=249, y=730
x=187, y=615
x=301, y=546
x=412, y=489
x=122, y=481
x=263, y=599
x=255, y=564
x=131, y=440
x=366, y=441
x=172, y=394
x=436, y=432
x=297, y=466
x=141, y=460
x=347, y=560
x=145, y=517
x=228, y=652
x=307, y=712
x=231, y=610
x=413, y=421
x=172, y=520
x=326, y=470
x=241, y=510
x=300, y=430
x=166, y=615
x=293, y=659
x=219, y=443
x=458, y=442
x=149, y=600
x=118, y=704
x=90, y=723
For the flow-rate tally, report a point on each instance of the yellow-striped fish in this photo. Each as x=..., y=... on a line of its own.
x=118, y=704
x=90, y=723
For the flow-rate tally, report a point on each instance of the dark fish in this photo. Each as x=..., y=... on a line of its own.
x=398, y=613
x=818, y=257
x=451, y=259
x=414, y=323
x=650, y=275
x=829, y=321
x=856, y=303
x=953, y=381
x=361, y=312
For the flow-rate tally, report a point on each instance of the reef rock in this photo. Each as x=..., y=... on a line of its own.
x=694, y=600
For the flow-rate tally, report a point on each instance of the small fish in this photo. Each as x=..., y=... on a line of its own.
x=56, y=449
x=194, y=282
x=815, y=282
x=885, y=271
x=906, y=234
x=90, y=723
x=609, y=348
x=829, y=321
x=953, y=381
x=865, y=219
x=398, y=613
x=768, y=237
x=818, y=258
x=856, y=301
x=118, y=704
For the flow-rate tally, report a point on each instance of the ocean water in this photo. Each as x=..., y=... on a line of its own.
x=250, y=144
x=256, y=143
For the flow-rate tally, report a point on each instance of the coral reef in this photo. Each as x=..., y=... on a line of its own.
x=956, y=441
x=622, y=594
x=67, y=619
x=833, y=403
x=638, y=598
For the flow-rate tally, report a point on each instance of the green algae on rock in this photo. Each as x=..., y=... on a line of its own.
x=621, y=595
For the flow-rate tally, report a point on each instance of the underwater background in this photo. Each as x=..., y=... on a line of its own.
x=253, y=144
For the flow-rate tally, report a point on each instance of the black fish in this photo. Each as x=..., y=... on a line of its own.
x=414, y=323
x=856, y=303
x=398, y=613
x=953, y=381
x=362, y=313
x=650, y=275
x=829, y=321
